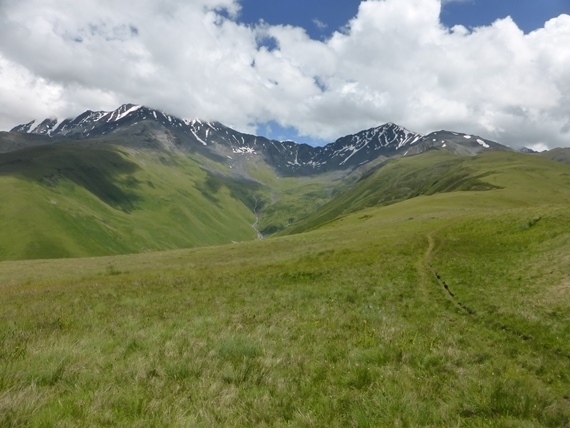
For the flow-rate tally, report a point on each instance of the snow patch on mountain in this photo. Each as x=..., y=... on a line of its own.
x=126, y=111
x=243, y=150
x=483, y=143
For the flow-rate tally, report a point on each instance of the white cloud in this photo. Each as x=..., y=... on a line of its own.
x=394, y=62
x=320, y=24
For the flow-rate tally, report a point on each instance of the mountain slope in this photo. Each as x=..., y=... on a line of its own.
x=512, y=178
x=12, y=141
x=68, y=200
x=558, y=155
x=457, y=143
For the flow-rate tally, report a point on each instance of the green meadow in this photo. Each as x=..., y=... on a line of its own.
x=443, y=303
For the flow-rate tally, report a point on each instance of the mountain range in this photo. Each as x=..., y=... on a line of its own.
x=137, y=179
x=229, y=146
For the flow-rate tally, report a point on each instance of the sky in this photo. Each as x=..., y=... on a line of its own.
x=307, y=70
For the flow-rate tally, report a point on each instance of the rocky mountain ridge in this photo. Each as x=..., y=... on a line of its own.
x=233, y=148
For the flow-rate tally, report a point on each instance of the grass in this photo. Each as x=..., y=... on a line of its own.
x=84, y=199
x=72, y=201
x=350, y=324
x=446, y=309
x=525, y=179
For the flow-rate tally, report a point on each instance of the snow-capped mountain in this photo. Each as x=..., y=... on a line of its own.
x=455, y=142
x=215, y=140
x=98, y=123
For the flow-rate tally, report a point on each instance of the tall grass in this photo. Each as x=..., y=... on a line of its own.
x=348, y=325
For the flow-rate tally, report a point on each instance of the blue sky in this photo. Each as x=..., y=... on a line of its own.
x=306, y=70
x=320, y=18
x=528, y=14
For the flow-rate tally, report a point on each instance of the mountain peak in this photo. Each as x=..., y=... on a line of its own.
x=143, y=127
x=88, y=124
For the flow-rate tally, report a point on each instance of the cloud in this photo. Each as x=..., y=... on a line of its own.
x=320, y=24
x=394, y=61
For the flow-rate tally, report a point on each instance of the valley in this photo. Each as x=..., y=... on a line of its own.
x=430, y=289
x=136, y=180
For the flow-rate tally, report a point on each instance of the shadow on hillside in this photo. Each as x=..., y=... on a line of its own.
x=241, y=189
x=102, y=172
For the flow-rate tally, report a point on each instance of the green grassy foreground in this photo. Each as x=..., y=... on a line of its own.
x=443, y=310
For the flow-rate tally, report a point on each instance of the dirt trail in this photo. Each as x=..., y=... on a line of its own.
x=429, y=275
x=422, y=266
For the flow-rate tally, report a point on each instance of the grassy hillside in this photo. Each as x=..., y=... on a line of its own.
x=98, y=198
x=83, y=200
x=445, y=310
x=510, y=177
x=558, y=155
